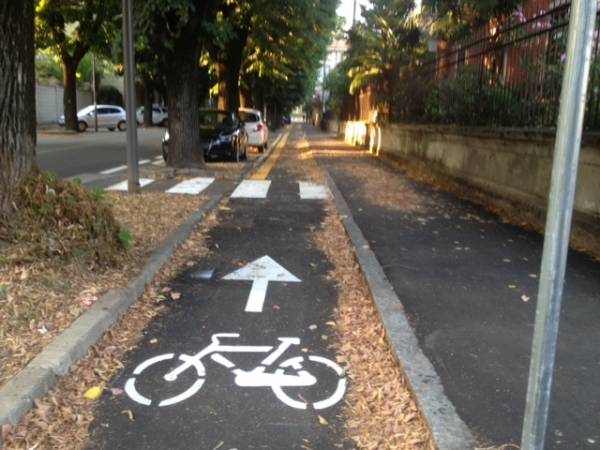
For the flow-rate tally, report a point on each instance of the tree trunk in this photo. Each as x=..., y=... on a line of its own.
x=17, y=98
x=228, y=71
x=182, y=95
x=148, y=97
x=70, y=92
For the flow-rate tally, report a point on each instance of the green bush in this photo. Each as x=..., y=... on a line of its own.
x=472, y=101
x=110, y=95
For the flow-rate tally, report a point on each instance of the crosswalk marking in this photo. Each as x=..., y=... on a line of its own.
x=193, y=186
x=122, y=186
x=113, y=170
x=312, y=191
x=252, y=189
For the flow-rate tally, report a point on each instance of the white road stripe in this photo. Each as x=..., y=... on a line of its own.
x=311, y=191
x=122, y=186
x=113, y=170
x=192, y=186
x=252, y=189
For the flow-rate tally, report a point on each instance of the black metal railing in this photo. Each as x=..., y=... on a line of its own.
x=505, y=74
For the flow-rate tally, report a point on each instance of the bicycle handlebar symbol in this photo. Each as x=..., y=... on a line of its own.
x=289, y=373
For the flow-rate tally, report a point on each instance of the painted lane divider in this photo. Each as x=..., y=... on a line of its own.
x=122, y=186
x=261, y=272
x=193, y=186
x=312, y=191
x=252, y=189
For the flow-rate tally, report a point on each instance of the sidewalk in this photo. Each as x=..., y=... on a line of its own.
x=468, y=282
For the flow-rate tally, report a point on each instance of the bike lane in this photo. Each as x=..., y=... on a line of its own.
x=255, y=315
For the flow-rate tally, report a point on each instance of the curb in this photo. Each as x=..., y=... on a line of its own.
x=448, y=430
x=41, y=374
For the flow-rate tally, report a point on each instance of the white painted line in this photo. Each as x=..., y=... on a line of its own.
x=311, y=191
x=252, y=189
x=113, y=170
x=144, y=161
x=260, y=272
x=193, y=186
x=122, y=186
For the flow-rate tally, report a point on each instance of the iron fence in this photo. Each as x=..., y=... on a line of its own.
x=504, y=74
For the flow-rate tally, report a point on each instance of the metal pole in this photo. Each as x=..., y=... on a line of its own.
x=94, y=92
x=354, y=14
x=558, y=221
x=133, y=171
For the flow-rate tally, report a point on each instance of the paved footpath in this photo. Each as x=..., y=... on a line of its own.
x=468, y=284
x=235, y=364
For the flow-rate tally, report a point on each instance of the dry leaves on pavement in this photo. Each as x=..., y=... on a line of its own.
x=61, y=419
x=39, y=299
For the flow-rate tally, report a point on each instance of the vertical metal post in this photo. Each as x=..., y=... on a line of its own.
x=133, y=172
x=354, y=14
x=558, y=221
x=94, y=92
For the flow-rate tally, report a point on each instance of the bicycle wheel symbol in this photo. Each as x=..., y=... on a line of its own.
x=297, y=363
x=132, y=390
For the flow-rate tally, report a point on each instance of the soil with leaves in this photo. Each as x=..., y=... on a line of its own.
x=63, y=248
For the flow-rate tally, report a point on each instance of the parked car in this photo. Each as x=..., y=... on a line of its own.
x=258, y=132
x=222, y=135
x=160, y=115
x=109, y=116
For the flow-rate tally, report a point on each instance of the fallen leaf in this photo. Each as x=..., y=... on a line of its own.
x=312, y=327
x=175, y=296
x=93, y=393
x=525, y=298
x=512, y=286
x=322, y=421
x=129, y=414
x=116, y=391
x=153, y=341
x=276, y=307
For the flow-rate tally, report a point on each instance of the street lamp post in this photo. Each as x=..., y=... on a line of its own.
x=558, y=221
x=94, y=92
x=133, y=172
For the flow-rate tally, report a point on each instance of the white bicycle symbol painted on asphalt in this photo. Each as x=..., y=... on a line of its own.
x=276, y=379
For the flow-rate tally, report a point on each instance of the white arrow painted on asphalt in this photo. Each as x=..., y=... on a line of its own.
x=260, y=272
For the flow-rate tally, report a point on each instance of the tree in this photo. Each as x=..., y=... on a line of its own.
x=17, y=101
x=386, y=42
x=175, y=30
x=70, y=28
x=453, y=18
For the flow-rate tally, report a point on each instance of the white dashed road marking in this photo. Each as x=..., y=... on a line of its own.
x=193, y=186
x=122, y=186
x=311, y=191
x=252, y=189
x=113, y=170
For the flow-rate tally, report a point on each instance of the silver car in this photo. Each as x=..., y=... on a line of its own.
x=109, y=116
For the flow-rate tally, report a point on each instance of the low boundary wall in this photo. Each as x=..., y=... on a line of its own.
x=513, y=164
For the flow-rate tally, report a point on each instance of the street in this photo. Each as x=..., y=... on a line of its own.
x=68, y=155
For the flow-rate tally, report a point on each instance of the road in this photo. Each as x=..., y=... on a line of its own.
x=68, y=155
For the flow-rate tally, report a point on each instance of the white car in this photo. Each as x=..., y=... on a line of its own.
x=109, y=116
x=159, y=115
x=258, y=132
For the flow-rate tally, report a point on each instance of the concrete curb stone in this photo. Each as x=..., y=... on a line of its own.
x=40, y=375
x=447, y=428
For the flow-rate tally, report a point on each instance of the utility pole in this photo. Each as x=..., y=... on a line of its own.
x=94, y=92
x=133, y=170
x=354, y=14
x=558, y=221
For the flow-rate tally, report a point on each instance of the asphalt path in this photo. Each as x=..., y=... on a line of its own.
x=68, y=155
x=468, y=282
x=271, y=381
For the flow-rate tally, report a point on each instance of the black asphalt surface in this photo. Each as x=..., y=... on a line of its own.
x=222, y=414
x=68, y=155
x=461, y=274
